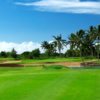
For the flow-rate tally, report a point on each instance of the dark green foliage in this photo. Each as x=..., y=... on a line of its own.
x=13, y=53
x=35, y=53
x=72, y=53
x=25, y=55
x=54, y=67
x=3, y=54
x=49, y=48
x=30, y=55
x=59, y=42
x=85, y=42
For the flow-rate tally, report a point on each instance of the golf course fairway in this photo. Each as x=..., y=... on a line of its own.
x=31, y=83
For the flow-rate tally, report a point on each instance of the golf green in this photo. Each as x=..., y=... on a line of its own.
x=49, y=84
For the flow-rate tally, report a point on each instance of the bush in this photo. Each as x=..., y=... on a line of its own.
x=35, y=53
x=25, y=55
x=3, y=54
x=72, y=53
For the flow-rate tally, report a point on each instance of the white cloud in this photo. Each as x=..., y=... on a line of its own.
x=65, y=48
x=19, y=47
x=24, y=46
x=66, y=6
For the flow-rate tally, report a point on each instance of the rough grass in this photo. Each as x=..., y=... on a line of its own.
x=53, y=84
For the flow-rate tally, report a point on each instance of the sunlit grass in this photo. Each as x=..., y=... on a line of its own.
x=29, y=83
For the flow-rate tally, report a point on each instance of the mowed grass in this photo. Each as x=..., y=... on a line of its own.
x=49, y=84
x=50, y=60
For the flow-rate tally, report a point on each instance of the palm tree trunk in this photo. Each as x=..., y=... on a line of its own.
x=81, y=56
x=59, y=52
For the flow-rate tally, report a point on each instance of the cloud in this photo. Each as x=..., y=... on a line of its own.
x=65, y=6
x=19, y=47
x=24, y=46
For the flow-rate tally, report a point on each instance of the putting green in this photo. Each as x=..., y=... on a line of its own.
x=51, y=84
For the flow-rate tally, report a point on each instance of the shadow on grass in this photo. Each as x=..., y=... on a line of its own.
x=57, y=67
x=11, y=65
x=86, y=67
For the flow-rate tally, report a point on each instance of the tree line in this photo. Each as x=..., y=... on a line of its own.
x=83, y=43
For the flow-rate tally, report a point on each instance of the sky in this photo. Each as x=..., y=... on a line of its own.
x=24, y=24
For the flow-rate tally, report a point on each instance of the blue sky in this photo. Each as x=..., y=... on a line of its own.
x=38, y=20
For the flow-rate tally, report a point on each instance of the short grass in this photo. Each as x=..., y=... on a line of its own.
x=78, y=59
x=49, y=84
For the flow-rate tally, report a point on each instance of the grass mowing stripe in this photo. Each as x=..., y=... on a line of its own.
x=25, y=74
x=9, y=85
x=39, y=84
x=30, y=83
x=53, y=89
x=85, y=87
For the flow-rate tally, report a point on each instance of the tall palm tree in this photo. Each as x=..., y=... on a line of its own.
x=98, y=40
x=45, y=45
x=72, y=41
x=77, y=41
x=94, y=37
x=59, y=42
x=90, y=40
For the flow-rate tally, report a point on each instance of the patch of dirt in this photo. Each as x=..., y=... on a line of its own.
x=69, y=64
x=8, y=62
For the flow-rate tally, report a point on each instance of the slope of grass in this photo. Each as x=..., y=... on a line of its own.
x=52, y=84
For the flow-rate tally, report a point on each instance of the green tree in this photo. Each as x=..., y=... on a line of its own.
x=13, y=53
x=59, y=42
x=90, y=40
x=98, y=41
x=49, y=48
x=3, y=54
x=45, y=45
x=76, y=41
x=72, y=53
x=35, y=53
x=25, y=55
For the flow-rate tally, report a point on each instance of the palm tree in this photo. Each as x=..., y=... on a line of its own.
x=72, y=41
x=90, y=39
x=98, y=40
x=77, y=41
x=59, y=42
x=45, y=45
x=49, y=48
